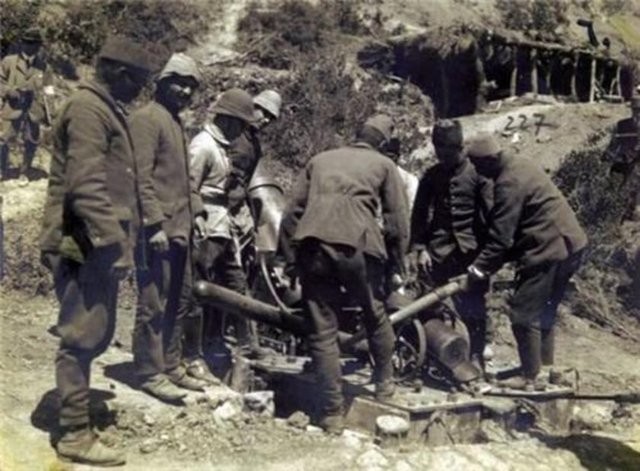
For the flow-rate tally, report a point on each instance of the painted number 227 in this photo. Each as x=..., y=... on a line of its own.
x=520, y=122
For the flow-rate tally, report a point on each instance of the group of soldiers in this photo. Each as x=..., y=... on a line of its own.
x=129, y=191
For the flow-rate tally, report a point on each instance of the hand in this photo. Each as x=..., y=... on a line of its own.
x=199, y=226
x=159, y=241
x=291, y=271
x=474, y=276
x=423, y=260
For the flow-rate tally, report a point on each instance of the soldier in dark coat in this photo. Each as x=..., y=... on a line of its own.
x=91, y=213
x=332, y=220
x=532, y=224
x=449, y=226
x=22, y=77
x=624, y=148
x=161, y=153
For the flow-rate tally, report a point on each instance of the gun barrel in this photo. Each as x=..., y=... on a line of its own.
x=246, y=307
x=411, y=310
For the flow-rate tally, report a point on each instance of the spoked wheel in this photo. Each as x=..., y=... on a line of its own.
x=410, y=351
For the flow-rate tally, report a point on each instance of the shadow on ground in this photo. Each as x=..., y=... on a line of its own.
x=596, y=453
x=46, y=413
x=122, y=372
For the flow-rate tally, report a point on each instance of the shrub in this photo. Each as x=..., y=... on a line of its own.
x=543, y=16
x=276, y=37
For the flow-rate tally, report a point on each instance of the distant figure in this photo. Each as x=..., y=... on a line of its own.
x=624, y=147
x=22, y=77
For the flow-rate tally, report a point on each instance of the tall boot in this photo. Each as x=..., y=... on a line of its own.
x=529, y=349
x=4, y=161
x=548, y=346
x=193, y=326
x=27, y=160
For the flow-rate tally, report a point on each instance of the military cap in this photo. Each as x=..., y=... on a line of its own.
x=182, y=65
x=126, y=51
x=32, y=35
x=635, y=102
x=483, y=145
x=447, y=132
x=381, y=123
x=237, y=103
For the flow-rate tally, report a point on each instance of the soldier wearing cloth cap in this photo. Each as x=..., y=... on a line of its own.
x=161, y=153
x=448, y=226
x=22, y=78
x=531, y=224
x=216, y=247
x=91, y=215
x=332, y=222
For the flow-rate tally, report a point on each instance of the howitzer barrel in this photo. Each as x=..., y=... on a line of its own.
x=244, y=306
x=417, y=306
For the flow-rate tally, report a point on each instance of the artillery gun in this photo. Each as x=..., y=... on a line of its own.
x=425, y=340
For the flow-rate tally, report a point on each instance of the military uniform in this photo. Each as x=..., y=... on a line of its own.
x=91, y=213
x=21, y=81
x=533, y=225
x=332, y=218
x=449, y=221
x=160, y=147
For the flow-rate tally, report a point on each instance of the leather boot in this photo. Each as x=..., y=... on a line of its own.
x=199, y=370
x=529, y=349
x=160, y=387
x=385, y=390
x=332, y=424
x=81, y=445
x=180, y=378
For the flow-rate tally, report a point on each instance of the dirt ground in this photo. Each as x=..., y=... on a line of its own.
x=164, y=437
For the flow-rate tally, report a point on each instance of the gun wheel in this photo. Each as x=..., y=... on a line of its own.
x=410, y=351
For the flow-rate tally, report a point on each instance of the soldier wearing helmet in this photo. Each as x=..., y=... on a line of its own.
x=216, y=233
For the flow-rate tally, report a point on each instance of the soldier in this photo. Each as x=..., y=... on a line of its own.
x=448, y=226
x=624, y=148
x=91, y=213
x=332, y=221
x=533, y=225
x=21, y=82
x=216, y=250
x=244, y=154
x=158, y=138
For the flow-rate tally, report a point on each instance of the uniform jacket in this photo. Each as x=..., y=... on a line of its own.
x=624, y=145
x=451, y=210
x=92, y=194
x=161, y=153
x=26, y=76
x=210, y=171
x=531, y=221
x=244, y=154
x=337, y=196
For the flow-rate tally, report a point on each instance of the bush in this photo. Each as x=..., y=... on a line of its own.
x=276, y=37
x=542, y=16
x=76, y=29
